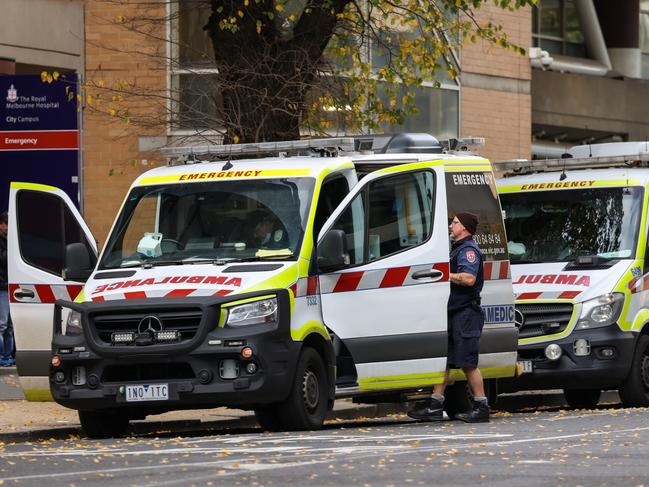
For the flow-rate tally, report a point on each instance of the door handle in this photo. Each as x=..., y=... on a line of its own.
x=23, y=294
x=431, y=274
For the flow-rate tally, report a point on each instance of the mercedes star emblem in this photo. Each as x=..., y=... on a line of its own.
x=149, y=323
x=519, y=318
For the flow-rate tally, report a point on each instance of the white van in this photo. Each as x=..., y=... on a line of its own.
x=275, y=284
x=577, y=236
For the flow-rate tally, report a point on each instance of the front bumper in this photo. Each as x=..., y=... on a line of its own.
x=193, y=369
x=593, y=371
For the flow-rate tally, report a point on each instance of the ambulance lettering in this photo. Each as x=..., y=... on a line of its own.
x=564, y=279
x=498, y=314
x=568, y=184
x=222, y=174
x=218, y=280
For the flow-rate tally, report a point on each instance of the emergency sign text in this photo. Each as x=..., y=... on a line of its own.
x=567, y=184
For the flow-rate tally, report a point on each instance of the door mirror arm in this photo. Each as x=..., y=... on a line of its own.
x=77, y=263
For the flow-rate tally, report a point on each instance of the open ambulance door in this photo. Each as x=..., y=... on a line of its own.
x=42, y=222
x=386, y=298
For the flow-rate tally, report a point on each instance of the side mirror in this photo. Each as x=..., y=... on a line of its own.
x=77, y=263
x=332, y=251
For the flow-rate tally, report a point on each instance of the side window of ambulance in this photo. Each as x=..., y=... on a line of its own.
x=352, y=222
x=333, y=191
x=400, y=213
x=475, y=192
x=46, y=226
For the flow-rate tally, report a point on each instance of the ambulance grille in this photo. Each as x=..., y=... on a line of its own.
x=543, y=319
x=185, y=321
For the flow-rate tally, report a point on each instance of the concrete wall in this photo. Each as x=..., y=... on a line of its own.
x=578, y=101
x=46, y=33
x=495, y=96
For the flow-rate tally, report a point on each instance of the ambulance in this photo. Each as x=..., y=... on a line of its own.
x=577, y=239
x=276, y=277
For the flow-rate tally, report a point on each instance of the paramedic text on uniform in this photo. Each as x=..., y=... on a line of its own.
x=465, y=322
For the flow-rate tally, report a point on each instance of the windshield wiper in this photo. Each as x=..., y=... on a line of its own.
x=264, y=257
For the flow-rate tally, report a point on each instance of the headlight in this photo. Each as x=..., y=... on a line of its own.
x=603, y=310
x=262, y=311
x=73, y=324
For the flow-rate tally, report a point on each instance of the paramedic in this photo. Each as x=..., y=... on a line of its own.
x=465, y=322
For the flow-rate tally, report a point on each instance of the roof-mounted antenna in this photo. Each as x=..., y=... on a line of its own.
x=564, y=156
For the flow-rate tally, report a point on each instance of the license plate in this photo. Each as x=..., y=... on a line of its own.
x=147, y=392
x=525, y=366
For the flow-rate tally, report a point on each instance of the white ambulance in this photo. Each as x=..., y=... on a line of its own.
x=577, y=238
x=274, y=283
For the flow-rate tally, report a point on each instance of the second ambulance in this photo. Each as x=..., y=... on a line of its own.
x=577, y=238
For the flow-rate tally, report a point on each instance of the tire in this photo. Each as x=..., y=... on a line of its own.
x=103, y=424
x=635, y=389
x=268, y=418
x=457, y=399
x=582, y=398
x=306, y=405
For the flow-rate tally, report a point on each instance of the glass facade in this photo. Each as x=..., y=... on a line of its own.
x=556, y=28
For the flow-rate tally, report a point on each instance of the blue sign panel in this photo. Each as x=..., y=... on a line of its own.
x=39, y=133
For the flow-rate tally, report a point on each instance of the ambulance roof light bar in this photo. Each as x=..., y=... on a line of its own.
x=328, y=145
x=518, y=167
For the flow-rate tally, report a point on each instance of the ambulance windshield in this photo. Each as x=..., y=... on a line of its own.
x=197, y=222
x=561, y=225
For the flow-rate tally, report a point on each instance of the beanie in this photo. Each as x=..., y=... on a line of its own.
x=468, y=220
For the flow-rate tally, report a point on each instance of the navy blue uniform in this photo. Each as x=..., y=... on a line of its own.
x=465, y=319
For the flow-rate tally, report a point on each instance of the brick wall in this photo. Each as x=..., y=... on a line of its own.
x=500, y=108
x=115, y=54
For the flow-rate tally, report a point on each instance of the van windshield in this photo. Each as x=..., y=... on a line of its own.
x=198, y=222
x=559, y=226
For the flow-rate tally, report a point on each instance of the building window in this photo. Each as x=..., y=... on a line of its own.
x=196, y=104
x=195, y=96
x=644, y=37
x=556, y=28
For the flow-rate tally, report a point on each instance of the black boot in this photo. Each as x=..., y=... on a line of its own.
x=431, y=410
x=479, y=413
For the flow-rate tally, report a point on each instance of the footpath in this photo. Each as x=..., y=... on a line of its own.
x=21, y=420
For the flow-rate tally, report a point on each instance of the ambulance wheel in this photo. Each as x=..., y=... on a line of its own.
x=306, y=405
x=635, y=389
x=268, y=419
x=103, y=424
x=582, y=398
x=457, y=399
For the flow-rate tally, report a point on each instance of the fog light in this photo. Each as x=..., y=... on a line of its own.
x=251, y=368
x=93, y=381
x=204, y=376
x=122, y=337
x=553, y=352
x=606, y=353
x=581, y=347
x=229, y=369
x=167, y=335
x=56, y=361
x=78, y=376
x=59, y=376
x=246, y=352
